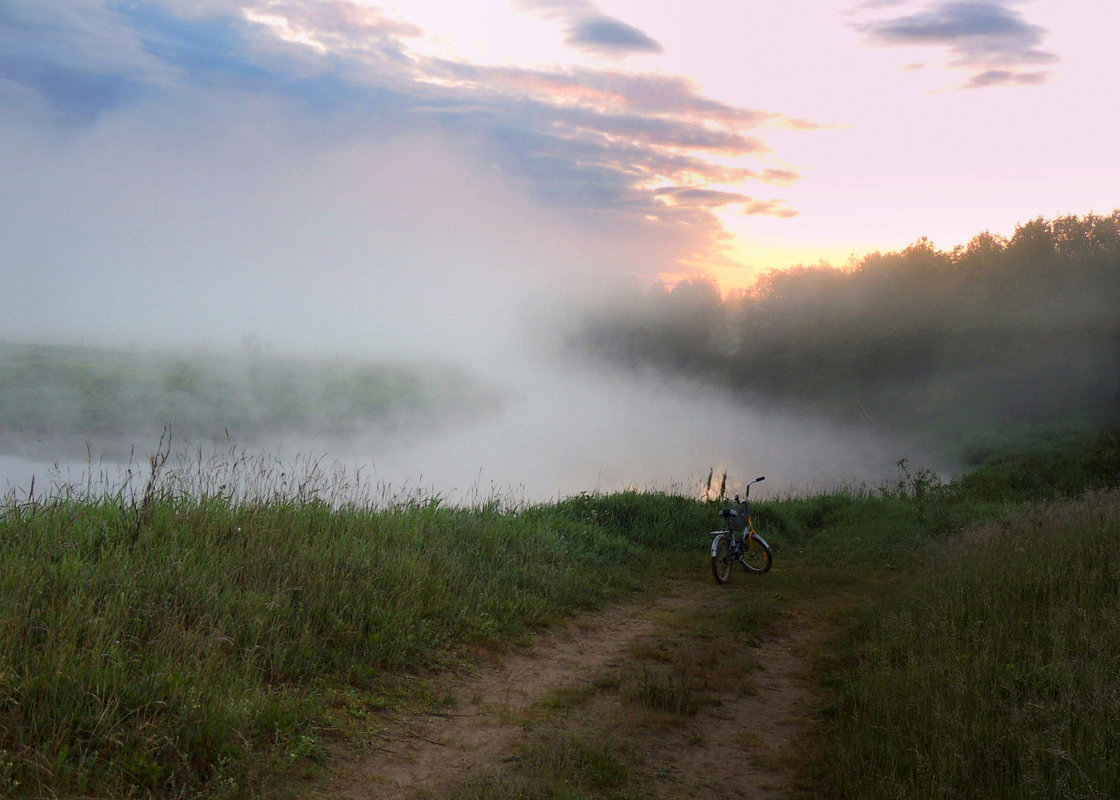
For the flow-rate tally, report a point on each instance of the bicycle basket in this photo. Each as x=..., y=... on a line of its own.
x=736, y=520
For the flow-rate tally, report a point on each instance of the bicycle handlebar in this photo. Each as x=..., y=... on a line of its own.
x=749, y=485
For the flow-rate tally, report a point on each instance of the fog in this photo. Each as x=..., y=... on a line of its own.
x=575, y=431
x=560, y=430
x=217, y=225
x=559, y=427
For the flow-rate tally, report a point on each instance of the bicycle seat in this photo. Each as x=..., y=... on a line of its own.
x=736, y=520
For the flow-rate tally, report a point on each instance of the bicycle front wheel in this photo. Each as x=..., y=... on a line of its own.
x=756, y=555
x=721, y=558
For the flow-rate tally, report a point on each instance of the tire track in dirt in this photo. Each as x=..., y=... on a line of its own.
x=738, y=747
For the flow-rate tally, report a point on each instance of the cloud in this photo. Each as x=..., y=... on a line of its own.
x=557, y=8
x=691, y=197
x=876, y=4
x=979, y=32
x=607, y=91
x=592, y=143
x=660, y=132
x=75, y=95
x=340, y=23
x=613, y=133
x=685, y=195
x=986, y=37
x=773, y=208
x=76, y=56
x=591, y=30
x=609, y=36
x=783, y=176
x=1003, y=77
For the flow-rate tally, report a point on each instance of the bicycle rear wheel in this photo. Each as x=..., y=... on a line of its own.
x=721, y=558
x=756, y=555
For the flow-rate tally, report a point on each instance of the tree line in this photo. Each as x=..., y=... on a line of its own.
x=998, y=333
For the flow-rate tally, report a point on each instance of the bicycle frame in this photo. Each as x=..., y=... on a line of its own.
x=740, y=542
x=748, y=534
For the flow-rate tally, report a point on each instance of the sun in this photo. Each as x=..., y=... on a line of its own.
x=739, y=264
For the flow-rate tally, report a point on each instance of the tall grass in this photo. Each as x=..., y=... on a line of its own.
x=996, y=674
x=168, y=642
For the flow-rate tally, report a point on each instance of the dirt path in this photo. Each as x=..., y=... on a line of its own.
x=581, y=679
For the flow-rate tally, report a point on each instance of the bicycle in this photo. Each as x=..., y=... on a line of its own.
x=740, y=542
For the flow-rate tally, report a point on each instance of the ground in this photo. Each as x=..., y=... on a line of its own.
x=686, y=691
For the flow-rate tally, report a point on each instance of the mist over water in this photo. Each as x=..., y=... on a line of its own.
x=576, y=431
x=562, y=428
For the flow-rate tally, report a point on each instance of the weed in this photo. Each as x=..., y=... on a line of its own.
x=674, y=692
x=554, y=765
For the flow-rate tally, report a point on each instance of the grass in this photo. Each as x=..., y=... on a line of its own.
x=674, y=692
x=215, y=397
x=196, y=639
x=995, y=673
x=557, y=767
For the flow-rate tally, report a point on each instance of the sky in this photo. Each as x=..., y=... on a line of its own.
x=317, y=172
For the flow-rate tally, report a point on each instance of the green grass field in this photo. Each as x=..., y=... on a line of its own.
x=175, y=645
x=996, y=672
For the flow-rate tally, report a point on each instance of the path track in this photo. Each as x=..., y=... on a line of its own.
x=738, y=745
